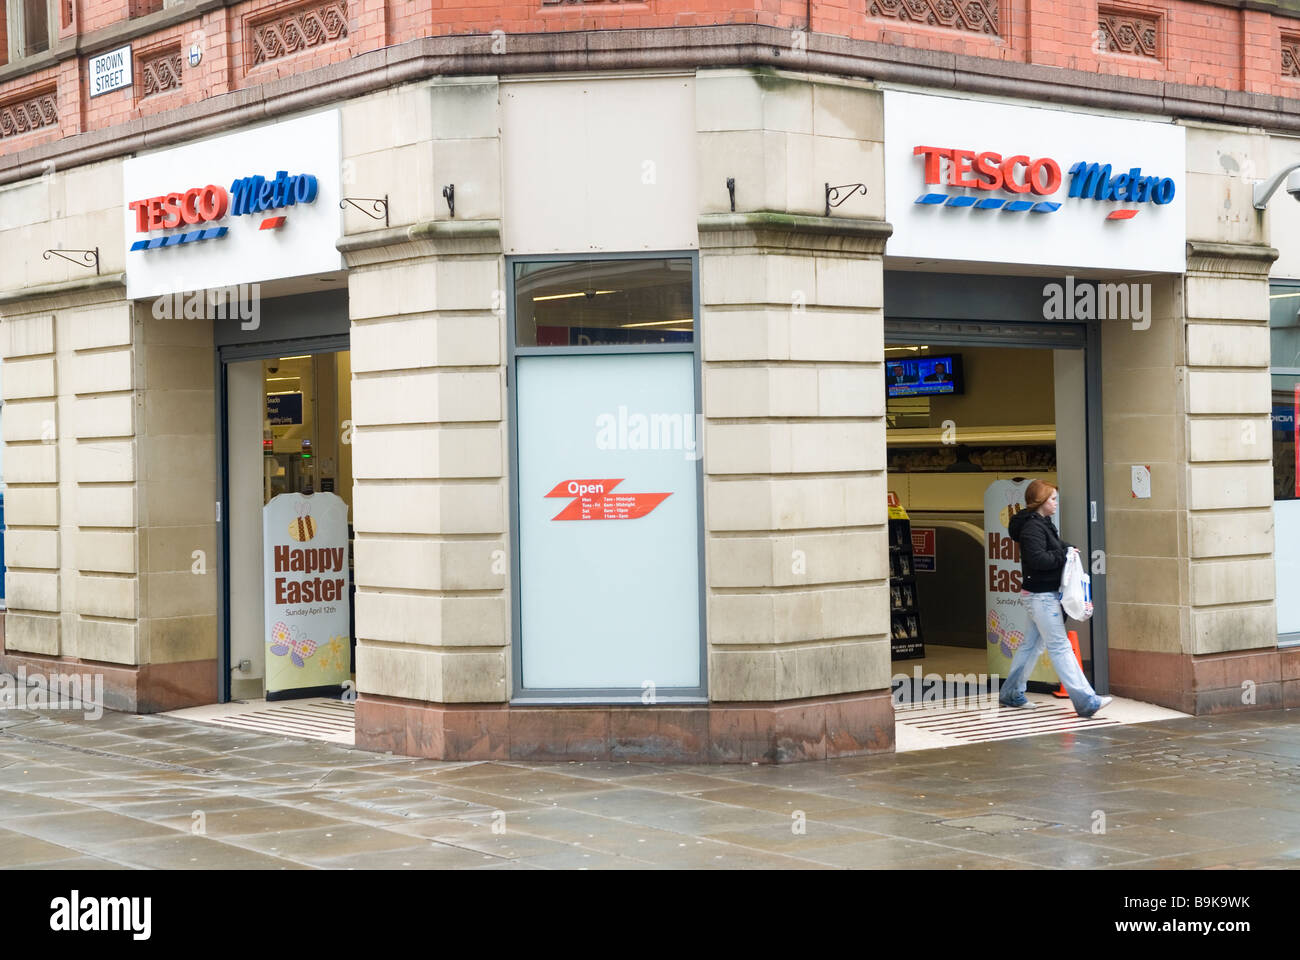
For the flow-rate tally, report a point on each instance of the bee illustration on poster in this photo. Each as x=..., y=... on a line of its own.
x=307, y=602
x=1006, y=617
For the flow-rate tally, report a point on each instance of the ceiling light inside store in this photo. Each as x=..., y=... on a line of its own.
x=278, y=379
x=301, y=356
x=570, y=296
x=656, y=323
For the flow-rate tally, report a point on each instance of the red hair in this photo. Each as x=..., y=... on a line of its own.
x=1038, y=493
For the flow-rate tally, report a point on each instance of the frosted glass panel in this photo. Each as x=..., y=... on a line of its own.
x=609, y=575
x=1286, y=554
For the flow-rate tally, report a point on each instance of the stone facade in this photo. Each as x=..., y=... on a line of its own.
x=111, y=470
x=112, y=474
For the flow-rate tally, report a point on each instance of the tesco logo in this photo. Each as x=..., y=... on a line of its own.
x=195, y=206
x=201, y=207
x=992, y=171
x=1033, y=178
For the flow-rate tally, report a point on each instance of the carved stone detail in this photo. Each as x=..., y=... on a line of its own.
x=1124, y=31
x=161, y=71
x=972, y=16
x=29, y=112
x=1291, y=56
x=298, y=28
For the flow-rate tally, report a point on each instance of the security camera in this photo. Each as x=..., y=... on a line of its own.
x=1266, y=188
x=1293, y=185
x=273, y=366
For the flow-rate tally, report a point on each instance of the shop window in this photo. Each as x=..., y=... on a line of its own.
x=606, y=480
x=571, y=303
x=27, y=27
x=1284, y=335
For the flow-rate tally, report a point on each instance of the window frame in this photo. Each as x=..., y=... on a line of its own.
x=16, y=29
x=582, y=696
x=1278, y=287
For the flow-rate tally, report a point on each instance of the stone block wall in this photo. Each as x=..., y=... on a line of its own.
x=1190, y=572
x=428, y=404
x=110, y=458
x=793, y=340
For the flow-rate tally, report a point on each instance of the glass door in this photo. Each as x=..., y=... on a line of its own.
x=287, y=505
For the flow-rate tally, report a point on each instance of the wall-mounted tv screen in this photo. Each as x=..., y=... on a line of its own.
x=924, y=376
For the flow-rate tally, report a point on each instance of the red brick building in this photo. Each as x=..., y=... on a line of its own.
x=275, y=48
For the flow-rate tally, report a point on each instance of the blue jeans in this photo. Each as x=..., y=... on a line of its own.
x=1047, y=624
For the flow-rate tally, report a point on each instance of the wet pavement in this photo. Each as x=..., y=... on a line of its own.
x=147, y=791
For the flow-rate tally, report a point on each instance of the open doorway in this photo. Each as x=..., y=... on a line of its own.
x=969, y=422
x=290, y=627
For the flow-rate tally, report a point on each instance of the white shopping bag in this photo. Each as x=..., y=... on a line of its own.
x=1076, y=588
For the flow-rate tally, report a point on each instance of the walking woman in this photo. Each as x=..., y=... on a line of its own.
x=1042, y=560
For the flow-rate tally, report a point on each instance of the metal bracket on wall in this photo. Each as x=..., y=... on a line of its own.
x=378, y=207
x=449, y=194
x=731, y=190
x=835, y=192
x=87, y=258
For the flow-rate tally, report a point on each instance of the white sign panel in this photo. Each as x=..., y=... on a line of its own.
x=249, y=207
x=1142, y=482
x=110, y=71
x=308, y=638
x=1006, y=615
x=993, y=183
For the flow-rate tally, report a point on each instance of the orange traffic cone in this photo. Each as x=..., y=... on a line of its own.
x=1074, y=642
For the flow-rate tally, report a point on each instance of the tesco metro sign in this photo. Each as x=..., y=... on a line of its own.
x=202, y=208
x=256, y=205
x=980, y=186
x=1032, y=178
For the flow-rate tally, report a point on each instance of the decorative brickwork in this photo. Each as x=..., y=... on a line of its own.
x=297, y=28
x=973, y=16
x=1129, y=32
x=29, y=112
x=1291, y=56
x=160, y=71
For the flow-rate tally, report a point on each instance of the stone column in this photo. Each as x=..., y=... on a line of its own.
x=796, y=519
x=110, y=462
x=796, y=525
x=428, y=416
x=1235, y=662
x=1190, y=574
x=429, y=496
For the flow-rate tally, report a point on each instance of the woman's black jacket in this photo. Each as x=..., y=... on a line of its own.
x=1042, y=552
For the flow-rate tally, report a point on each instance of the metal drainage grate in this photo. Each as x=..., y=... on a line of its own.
x=317, y=719
x=950, y=727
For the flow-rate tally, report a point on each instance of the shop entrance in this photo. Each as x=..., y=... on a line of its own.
x=973, y=412
x=288, y=526
x=284, y=517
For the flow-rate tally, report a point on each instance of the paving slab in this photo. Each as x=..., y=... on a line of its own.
x=121, y=792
